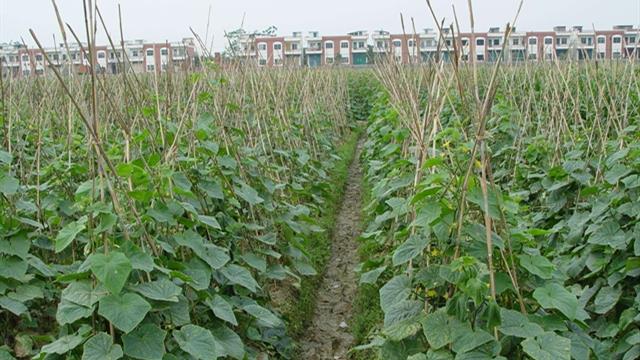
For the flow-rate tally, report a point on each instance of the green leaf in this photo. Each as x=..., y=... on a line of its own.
x=163, y=290
x=68, y=233
x=263, y=315
x=26, y=293
x=69, y=312
x=248, y=194
x=125, y=312
x=5, y=355
x=606, y=299
x=555, y=296
x=394, y=291
x=240, y=276
x=222, y=309
x=518, y=325
x=101, y=347
x=196, y=341
x=111, y=270
x=146, y=342
x=609, y=234
x=213, y=255
x=371, y=277
x=14, y=306
x=548, y=346
x=199, y=272
x=437, y=329
x=63, y=345
x=13, y=267
x=410, y=249
x=537, y=265
x=465, y=339
x=228, y=343
x=209, y=221
x=9, y=185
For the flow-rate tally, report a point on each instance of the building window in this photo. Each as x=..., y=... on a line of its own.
x=586, y=41
x=25, y=58
x=601, y=55
x=328, y=45
x=397, y=43
x=55, y=57
x=262, y=46
x=426, y=43
x=533, y=56
x=344, y=60
x=465, y=42
x=533, y=41
x=344, y=45
x=515, y=42
x=277, y=62
x=151, y=67
x=26, y=72
x=135, y=53
x=616, y=55
x=262, y=62
x=164, y=52
x=480, y=57
x=617, y=39
x=480, y=42
x=38, y=57
x=101, y=55
x=74, y=56
x=411, y=43
x=277, y=46
x=630, y=39
x=548, y=41
x=150, y=52
x=294, y=46
x=465, y=57
x=562, y=41
x=494, y=42
x=448, y=42
x=329, y=60
x=601, y=40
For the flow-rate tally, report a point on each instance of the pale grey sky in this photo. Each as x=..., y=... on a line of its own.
x=160, y=20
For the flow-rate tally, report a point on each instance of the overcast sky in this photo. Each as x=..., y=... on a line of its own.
x=161, y=20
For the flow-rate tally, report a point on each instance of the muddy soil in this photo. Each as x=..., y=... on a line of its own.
x=328, y=335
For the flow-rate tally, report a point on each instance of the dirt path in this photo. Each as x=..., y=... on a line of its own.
x=328, y=335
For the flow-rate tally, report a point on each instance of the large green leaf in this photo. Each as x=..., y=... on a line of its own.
x=196, y=341
x=371, y=277
x=162, y=289
x=222, y=309
x=263, y=315
x=69, y=312
x=209, y=221
x=124, y=311
x=63, y=345
x=215, y=256
x=606, y=299
x=146, y=342
x=14, y=306
x=68, y=233
x=228, y=343
x=8, y=184
x=537, y=265
x=555, y=296
x=200, y=273
x=516, y=324
x=437, y=329
x=111, y=270
x=410, y=249
x=239, y=275
x=12, y=267
x=101, y=347
x=248, y=194
x=548, y=346
x=609, y=234
x=394, y=291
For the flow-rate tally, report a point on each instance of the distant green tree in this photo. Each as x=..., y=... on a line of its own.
x=232, y=47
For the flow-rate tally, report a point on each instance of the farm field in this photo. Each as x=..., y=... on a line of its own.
x=394, y=212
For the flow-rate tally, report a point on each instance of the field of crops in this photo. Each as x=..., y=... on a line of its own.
x=190, y=215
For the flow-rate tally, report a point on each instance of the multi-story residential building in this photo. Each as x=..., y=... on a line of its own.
x=19, y=61
x=361, y=48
